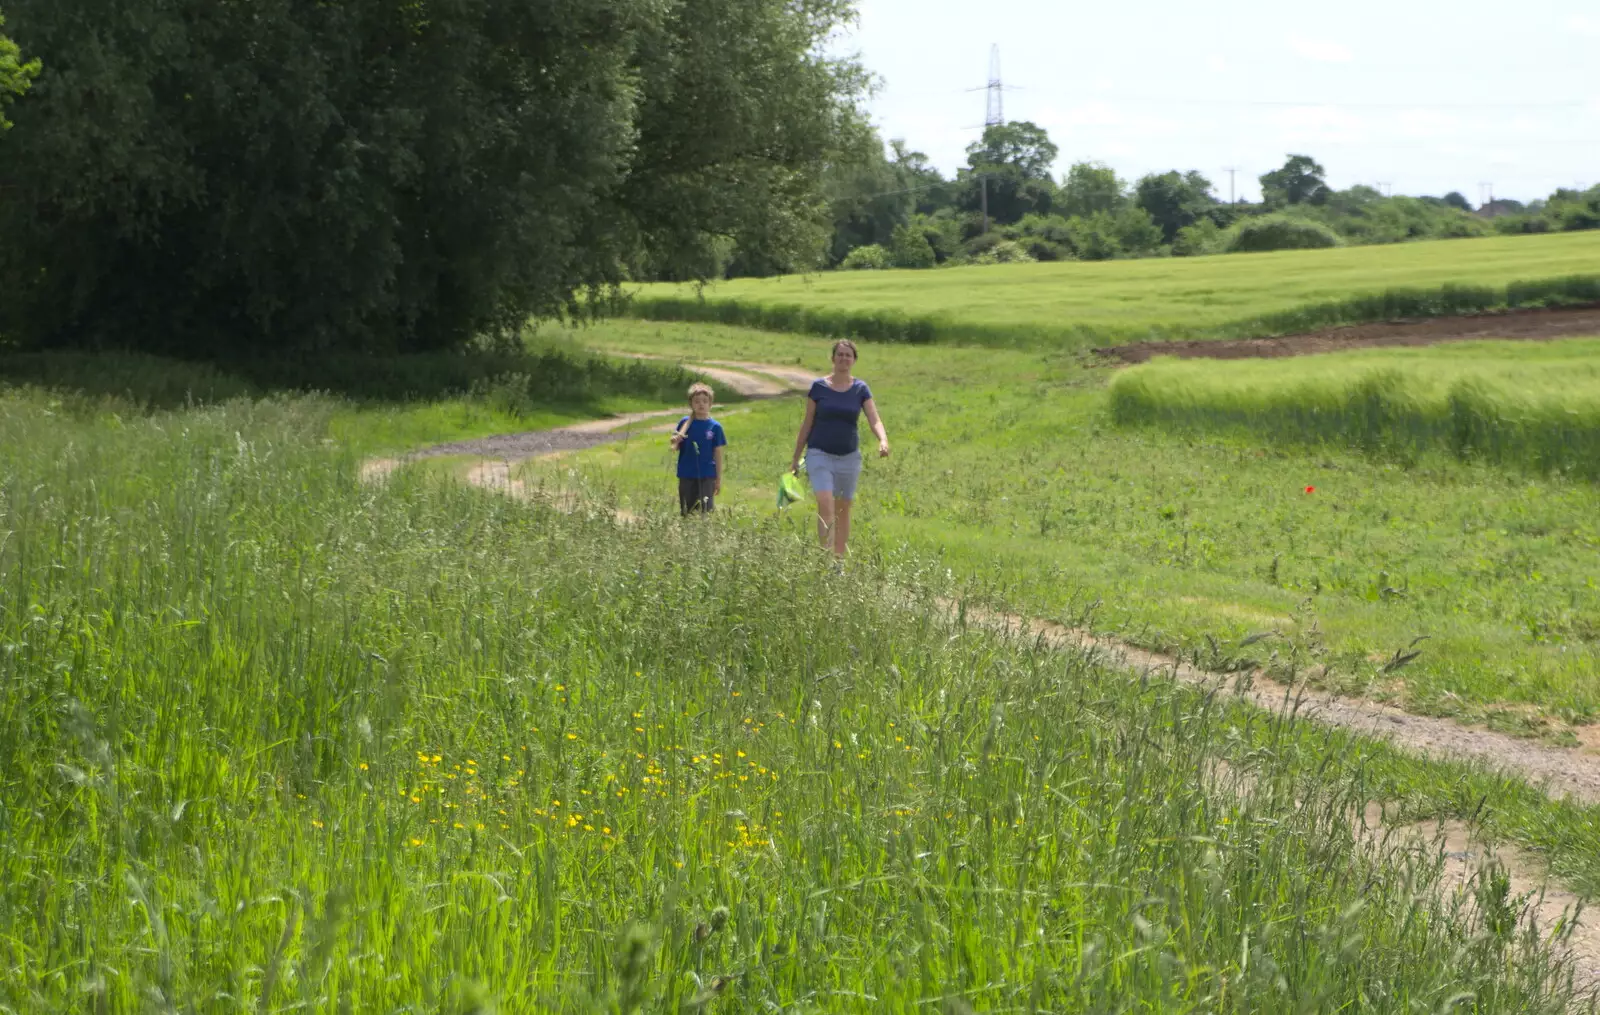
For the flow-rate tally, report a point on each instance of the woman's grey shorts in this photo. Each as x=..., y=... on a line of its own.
x=835, y=474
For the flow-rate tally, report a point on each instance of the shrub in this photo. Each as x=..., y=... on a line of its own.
x=1280, y=232
x=911, y=249
x=868, y=257
x=1203, y=237
x=1004, y=252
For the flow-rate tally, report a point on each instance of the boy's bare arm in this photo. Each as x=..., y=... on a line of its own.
x=717, y=456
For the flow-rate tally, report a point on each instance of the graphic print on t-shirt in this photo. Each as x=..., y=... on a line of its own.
x=697, y=455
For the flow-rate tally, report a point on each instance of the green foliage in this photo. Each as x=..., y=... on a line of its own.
x=1089, y=188
x=1044, y=237
x=1362, y=215
x=911, y=249
x=867, y=257
x=15, y=75
x=1004, y=252
x=1301, y=180
x=390, y=177
x=1280, y=232
x=1008, y=172
x=1566, y=210
x=1024, y=146
x=1174, y=200
x=870, y=197
x=1203, y=237
x=1527, y=407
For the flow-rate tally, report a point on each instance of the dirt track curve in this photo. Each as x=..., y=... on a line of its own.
x=1531, y=325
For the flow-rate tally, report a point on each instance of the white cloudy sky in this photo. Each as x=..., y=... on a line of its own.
x=1421, y=95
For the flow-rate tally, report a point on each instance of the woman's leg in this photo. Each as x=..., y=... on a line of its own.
x=841, y=525
x=825, y=518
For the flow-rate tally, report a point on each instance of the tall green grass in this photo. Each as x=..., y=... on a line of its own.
x=275, y=740
x=1074, y=305
x=1518, y=404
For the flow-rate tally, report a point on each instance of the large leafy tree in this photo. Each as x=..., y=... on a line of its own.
x=15, y=75
x=205, y=176
x=1301, y=180
x=1174, y=200
x=1010, y=171
x=1091, y=187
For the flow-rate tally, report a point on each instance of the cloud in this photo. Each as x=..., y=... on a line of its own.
x=1320, y=50
x=1216, y=65
x=1584, y=25
x=1318, y=124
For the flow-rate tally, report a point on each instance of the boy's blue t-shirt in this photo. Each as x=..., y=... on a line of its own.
x=697, y=457
x=838, y=413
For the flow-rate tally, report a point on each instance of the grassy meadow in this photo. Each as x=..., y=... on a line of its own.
x=1010, y=469
x=1531, y=405
x=1075, y=304
x=278, y=740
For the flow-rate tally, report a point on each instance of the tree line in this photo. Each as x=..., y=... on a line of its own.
x=892, y=209
x=293, y=177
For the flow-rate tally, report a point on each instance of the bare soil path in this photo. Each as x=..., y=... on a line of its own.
x=1531, y=325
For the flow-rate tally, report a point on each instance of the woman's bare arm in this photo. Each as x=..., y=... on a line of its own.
x=805, y=431
x=873, y=419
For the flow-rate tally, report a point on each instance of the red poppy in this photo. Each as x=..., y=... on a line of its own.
x=1311, y=489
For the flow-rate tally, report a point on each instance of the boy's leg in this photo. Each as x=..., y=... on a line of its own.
x=706, y=493
x=688, y=490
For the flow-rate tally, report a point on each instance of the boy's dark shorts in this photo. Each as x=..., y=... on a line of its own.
x=696, y=494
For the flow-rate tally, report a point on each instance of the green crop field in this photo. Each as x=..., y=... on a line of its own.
x=1078, y=303
x=1525, y=405
x=278, y=740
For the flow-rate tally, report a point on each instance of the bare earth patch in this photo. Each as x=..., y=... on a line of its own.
x=1532, y=325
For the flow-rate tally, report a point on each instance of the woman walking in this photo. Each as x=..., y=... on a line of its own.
x=829, y=439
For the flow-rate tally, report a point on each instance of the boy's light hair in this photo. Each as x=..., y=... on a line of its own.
x=700, y=388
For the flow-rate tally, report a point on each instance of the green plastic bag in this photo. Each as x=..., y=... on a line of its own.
x=789, y=489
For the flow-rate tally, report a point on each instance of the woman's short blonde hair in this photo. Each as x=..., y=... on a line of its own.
x=700, y=388
x=844, y=343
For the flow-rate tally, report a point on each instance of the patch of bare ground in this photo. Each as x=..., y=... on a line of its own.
x=752, y=380
x=1532, y=325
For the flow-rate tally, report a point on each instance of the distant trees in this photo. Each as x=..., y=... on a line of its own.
x=208, y=178
x=1174, y=200
x=1301, y=180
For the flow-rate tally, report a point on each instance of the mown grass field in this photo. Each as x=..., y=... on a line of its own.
x=277, y=740
x=1071, y=305
x=1008, y=467
x=1533, y=406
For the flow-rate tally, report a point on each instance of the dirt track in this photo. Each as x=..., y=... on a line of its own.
x=1532, y=325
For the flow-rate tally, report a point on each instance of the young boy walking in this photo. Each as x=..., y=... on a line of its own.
x=699, y=441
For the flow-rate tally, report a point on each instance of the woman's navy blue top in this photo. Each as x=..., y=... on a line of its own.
x=838, y=412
